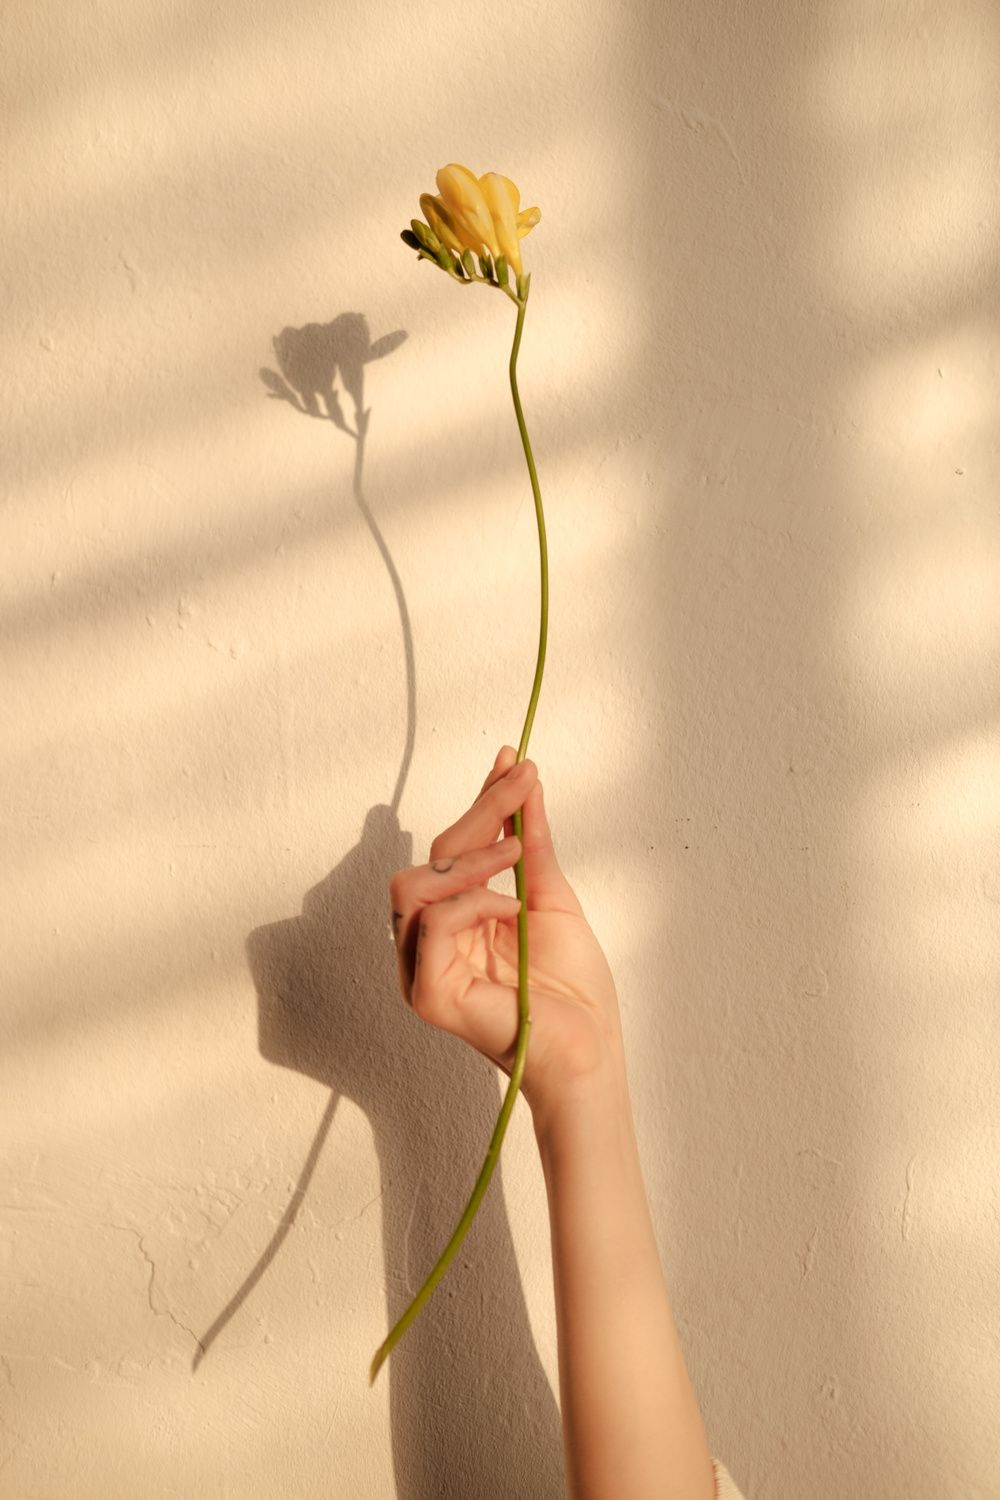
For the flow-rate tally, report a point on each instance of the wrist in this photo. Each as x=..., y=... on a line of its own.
x=584, y=1114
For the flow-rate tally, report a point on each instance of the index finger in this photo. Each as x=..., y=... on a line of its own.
x=505, y=761
x=484, y=821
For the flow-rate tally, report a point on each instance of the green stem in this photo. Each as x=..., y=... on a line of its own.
x=543, y=550
x=523, y=1006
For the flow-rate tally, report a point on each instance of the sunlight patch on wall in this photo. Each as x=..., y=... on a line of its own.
x=65, y=1053
x=924, y=226
x=902, y=109
x=960, y=799
x=930, y=607
x=913, y=70
x=935, y=397
x=568, y=343
x=159, y=108
x=947, y=809
x=914, y=102
x=201, y=677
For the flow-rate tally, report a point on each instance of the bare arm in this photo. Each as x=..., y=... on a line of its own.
x=631, y=1425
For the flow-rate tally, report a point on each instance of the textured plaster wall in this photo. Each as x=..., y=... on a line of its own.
x=762, y=367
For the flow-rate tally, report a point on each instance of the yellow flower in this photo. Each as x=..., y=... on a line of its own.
x=482, y=215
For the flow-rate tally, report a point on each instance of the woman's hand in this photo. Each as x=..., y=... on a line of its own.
x=631, y=1426
x=457, y=942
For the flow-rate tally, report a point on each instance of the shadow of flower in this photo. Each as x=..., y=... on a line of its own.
x=472, y=1411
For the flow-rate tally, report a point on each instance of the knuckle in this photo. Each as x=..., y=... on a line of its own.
x=430, y=921
x=423, y=1004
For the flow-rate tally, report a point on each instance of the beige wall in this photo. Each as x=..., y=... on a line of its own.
x=761, y=366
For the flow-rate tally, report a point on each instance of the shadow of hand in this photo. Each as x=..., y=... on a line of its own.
x=472, y=1412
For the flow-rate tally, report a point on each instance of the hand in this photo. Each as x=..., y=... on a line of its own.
x=631, y=1424
x=457, y=943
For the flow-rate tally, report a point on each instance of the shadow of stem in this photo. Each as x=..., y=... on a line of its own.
x=462, y=1424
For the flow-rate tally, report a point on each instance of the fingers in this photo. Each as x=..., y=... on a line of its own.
x=546, y=887
x=415, y=891
x=500, y=798
x=441, y=975
x=450, y=896
x=506, y=759
x=444, y=877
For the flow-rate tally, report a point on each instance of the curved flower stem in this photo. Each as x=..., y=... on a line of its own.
x=543, y=550
x=523, y=1006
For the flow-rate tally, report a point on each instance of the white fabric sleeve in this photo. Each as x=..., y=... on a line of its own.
x=725, y=1489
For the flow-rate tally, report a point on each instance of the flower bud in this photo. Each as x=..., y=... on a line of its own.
x=428, y=239
x=442, y=223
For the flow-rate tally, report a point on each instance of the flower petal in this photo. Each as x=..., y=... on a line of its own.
x=526, y=220
x=464, y=200
x=503, y=210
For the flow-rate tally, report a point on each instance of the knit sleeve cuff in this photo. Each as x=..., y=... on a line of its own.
x=725, y=1489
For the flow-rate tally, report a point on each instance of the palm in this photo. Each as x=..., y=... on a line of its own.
x=457, y=940
x=570, y=988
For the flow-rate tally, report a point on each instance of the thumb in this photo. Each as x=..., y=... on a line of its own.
x=546, y=887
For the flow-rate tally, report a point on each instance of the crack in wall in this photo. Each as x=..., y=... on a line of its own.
x=699, y=123
x=153, y=1294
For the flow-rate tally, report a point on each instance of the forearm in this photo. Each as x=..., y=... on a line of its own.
x=631, y=1425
